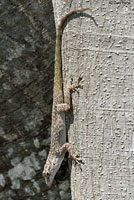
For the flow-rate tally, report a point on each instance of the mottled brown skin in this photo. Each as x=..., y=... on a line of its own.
x=58, y=146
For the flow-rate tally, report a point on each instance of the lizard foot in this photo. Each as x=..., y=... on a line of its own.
x=79, y=160
x=76, y=84
x=66, y=147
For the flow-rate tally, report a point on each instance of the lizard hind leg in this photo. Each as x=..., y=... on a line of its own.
x=64, y=107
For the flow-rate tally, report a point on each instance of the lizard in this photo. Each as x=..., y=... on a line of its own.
x=61, y=104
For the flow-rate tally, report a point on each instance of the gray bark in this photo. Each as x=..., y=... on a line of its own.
x=101, y=129
x=27, y=40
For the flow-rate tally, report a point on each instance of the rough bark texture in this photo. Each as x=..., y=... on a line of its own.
x=102, y=128
x=27, y=41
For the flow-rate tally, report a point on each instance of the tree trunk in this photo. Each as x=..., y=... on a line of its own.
x=101, y=126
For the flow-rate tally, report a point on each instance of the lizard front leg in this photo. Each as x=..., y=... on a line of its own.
x=64, y=107
x=66, y=147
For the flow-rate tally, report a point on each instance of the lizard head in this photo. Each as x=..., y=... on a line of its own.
x=51, y=167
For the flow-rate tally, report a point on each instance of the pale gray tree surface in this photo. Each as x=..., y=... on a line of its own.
x=101, y=124
x=102, y=128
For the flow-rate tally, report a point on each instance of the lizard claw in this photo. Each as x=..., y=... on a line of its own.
x=75, y=84
x=79, y=160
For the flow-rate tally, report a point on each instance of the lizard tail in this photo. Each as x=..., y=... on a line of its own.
x=58, y=74
x=66, y=16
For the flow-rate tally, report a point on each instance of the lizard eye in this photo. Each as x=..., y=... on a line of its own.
x=47, y=173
